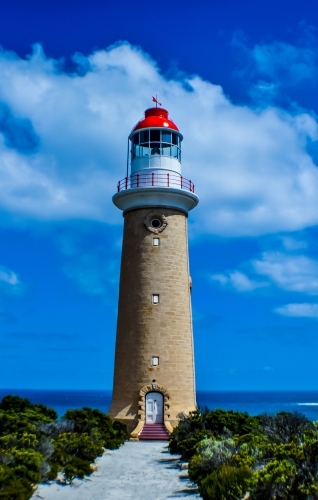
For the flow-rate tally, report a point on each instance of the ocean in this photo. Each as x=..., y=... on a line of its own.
x=253, y=402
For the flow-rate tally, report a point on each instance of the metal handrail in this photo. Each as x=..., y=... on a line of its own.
x=155, y=179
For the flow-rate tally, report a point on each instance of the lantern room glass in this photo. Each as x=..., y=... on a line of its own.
x=156, y=142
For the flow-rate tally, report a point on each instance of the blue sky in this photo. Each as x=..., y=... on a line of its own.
x=239, y=79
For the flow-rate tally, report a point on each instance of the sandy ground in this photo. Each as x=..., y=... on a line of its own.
x=137, y=471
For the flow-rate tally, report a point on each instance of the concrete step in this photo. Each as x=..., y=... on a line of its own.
x=154, y=432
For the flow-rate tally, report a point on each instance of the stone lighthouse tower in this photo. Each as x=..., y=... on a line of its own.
x=154, y=364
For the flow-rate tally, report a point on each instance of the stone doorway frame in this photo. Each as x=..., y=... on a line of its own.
x=142, y=408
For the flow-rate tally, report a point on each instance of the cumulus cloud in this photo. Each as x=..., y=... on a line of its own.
x=10, y=284
x=295, y=273
x=304, y=310
x=63, y=139
x=287, y=271
x=292, y=244
x=239, y=281
x=268, y=70
x=285, y=62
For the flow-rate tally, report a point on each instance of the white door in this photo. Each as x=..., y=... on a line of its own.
x=154, y=408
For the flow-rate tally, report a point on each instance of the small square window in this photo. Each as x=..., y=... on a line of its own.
x=155, y=299
x=155, y=361
x=156, y=242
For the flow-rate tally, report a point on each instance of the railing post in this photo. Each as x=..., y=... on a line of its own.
x=192, y=188
x=126, y=182
x=118, y=187
x=153, y=179
x=137, y=180
x=181, y=181
x=168, y=175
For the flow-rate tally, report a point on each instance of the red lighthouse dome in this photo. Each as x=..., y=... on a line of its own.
x=156, y=117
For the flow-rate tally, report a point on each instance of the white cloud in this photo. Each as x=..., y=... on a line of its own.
x=63, y=144
x=288, y=272
x=298, y=310
x=8, y=277
x=239, y=281
x=272, y=70
x=9, y=282
x=296, y=273
x=291, y=244
x=282, y=61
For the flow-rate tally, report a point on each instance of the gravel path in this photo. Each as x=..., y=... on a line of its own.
x=137, y=471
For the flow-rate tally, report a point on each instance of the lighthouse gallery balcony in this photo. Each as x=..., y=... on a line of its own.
x=155, y=179
x=160, y=189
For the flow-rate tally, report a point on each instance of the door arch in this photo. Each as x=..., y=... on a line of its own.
x=154, y=408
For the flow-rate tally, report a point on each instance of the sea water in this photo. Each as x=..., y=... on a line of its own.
x=253, y=402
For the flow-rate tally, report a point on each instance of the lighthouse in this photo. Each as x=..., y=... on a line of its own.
x=154, y=381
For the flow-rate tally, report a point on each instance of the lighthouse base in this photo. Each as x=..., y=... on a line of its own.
x=135, y=422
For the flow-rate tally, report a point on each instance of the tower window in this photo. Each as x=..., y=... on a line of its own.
x=155, y=299
x=156, y=242
x=155, y=361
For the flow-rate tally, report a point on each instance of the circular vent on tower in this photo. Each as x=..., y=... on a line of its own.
x=155, y=222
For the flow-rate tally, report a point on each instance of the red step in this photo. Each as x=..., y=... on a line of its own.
x=152, y=432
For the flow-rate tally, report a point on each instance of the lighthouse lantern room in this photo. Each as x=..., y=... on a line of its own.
x=154, y=364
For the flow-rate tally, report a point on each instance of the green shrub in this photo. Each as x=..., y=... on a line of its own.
x=80, y=445
x=222, y=422
x=31, y=412
x=225, y=483
x=13, y=487
x=99, y=426
x=35, y=446
x=76, y=468
x=272, y=457
x=203, y=424
x=186, y=445
x=14, y=403
x=275, y=481
x=285, y=427
x=210, y=454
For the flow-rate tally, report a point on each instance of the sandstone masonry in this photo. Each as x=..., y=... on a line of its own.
x=144, y=329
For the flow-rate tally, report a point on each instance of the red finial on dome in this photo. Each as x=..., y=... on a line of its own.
x=156, y=117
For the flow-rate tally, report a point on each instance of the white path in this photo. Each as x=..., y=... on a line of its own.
x=137, y=471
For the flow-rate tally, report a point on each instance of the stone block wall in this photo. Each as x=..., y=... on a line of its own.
x=145, y=329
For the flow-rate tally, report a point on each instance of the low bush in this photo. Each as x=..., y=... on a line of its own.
x=225, y=483
x=203, y=423
x=234, y=456
x=99, y=426
x=35, y=446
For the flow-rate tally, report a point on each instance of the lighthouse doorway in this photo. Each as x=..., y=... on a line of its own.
x=154, y=408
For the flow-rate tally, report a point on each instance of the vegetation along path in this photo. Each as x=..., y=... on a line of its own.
x=136, y=471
